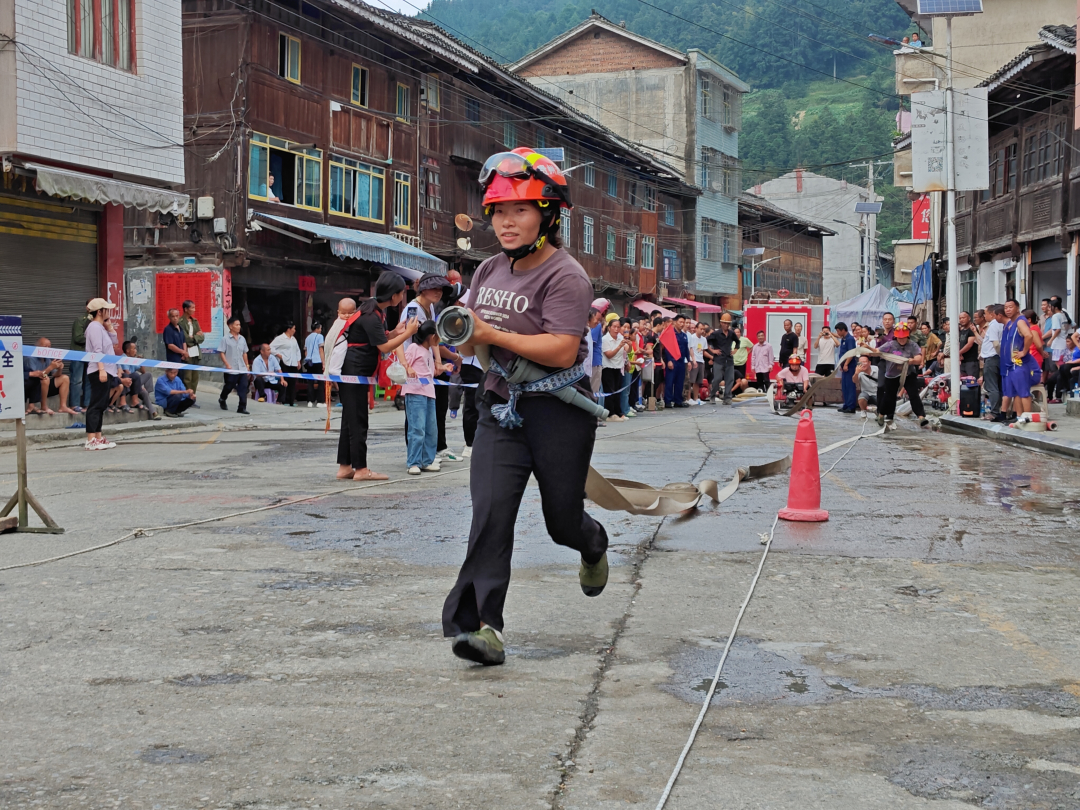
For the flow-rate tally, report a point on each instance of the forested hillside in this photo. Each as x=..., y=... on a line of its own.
x=786, y=50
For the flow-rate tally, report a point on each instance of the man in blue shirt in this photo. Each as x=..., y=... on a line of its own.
x=171, y=394
x=313, y=363
x=266, y=367
x=675, y=374
x=173, y=337
x=596, y=332
x=847, y=370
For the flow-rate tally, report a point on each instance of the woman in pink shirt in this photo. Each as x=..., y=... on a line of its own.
x=101, y=376
x=419, y=393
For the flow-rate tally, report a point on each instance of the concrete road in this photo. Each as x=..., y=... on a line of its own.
x=919, y=650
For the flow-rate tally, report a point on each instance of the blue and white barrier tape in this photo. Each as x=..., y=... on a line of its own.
x=124, y=360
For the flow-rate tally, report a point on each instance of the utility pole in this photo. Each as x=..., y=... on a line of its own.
x=869, y=222
x=952, y=280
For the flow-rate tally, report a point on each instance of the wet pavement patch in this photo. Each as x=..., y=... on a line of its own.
x=997, y=779
x=343, y=629
x=537, y=653
x=167, y=755
x=220, y=679
x=763, y=673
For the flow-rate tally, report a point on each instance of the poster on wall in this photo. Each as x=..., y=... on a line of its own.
x=920, y=217
x=172, y=289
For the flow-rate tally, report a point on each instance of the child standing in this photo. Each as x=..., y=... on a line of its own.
x=420, y=399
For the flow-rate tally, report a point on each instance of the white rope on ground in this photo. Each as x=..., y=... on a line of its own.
x=150, y=531
x=767, y=540
x=719, y=669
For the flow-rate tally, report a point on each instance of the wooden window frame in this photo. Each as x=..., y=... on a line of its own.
x=402, y=180
x=610, y=252
x=284, y=41
x=430, y=83
x=648, y=252
x=631, y=249
x=77, y=9
x=302, y=156
x=365, y=85
x=588, y=235
x=408, y=102
x=358, y=167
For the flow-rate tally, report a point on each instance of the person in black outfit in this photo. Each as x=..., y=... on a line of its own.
x=365, y=333
x=789, y=342
x=969, y=348
x=722, y=343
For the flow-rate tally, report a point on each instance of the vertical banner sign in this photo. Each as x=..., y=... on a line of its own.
x=920, y=218
x=12, y=405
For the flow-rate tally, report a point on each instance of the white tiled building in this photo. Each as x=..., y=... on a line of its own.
x=91, y=121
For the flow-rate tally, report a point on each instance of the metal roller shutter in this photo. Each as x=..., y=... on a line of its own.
x=48, y=265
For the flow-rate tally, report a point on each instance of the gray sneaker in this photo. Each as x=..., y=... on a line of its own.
x=483, y=646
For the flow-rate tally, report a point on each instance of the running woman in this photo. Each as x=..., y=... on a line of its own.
x=531, y=301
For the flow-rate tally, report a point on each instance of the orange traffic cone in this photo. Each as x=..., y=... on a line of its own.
x=804, y=488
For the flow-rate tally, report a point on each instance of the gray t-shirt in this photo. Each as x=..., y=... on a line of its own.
x=553, y=298
x=868, y=384
x=909, y=349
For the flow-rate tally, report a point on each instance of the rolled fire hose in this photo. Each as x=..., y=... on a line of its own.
x=617, y=494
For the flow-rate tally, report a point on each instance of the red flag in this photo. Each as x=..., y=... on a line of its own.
x=670, y=342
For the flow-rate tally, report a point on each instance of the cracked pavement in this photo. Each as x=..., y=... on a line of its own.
x=918, y=650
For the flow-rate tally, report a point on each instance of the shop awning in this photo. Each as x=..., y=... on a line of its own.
x=347, y=243
x=104, y=190
x=650, y=308
x=698, y=305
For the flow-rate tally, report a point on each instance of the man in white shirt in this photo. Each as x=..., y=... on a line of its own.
x=287, y=351
x=696, y=373
x=1055, y=334
x=313, y=363
x=990, y=341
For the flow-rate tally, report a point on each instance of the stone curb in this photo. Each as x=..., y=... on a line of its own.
x=1048, y=442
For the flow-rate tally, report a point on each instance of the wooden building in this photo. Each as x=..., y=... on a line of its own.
x=328, y=141
x=792, y=258
x=1019, y=238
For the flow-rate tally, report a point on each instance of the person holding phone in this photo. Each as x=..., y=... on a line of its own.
x=826, y=352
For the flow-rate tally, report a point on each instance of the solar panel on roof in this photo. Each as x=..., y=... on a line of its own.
x=553, y=153
x=932, y=7
x=867, y=208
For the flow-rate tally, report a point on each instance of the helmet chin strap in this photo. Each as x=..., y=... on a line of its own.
x=519, y=253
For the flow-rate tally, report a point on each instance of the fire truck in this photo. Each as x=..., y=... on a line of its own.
x=769, y=316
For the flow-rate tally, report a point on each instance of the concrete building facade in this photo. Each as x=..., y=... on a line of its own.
x=91, y=95
x=831, y=203
x=685, y=108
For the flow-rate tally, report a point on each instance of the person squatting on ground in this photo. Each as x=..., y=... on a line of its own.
x=101, y=376
x=866, y=377
x=531, y=303
x=43, y=378
x=366, y=337
x=172, y=394
x=419, y=390
x=233, y=349
x=889, y=389
x=137, y=383
x=266, y=367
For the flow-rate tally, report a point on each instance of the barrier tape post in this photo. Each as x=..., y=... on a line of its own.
x=11, y=355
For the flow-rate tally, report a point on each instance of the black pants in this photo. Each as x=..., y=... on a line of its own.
x=824, y=369
x=442, y=405
x=238, y=383
x=261, y=387
x=723, y=371
x=99, y=400
x=290, y=389
x=889, y=390
x=178, y=405
x=469, y=414
x=555, y=444
x=763, y=380
x=315, y=387
x=611, y=380
x=352, y=443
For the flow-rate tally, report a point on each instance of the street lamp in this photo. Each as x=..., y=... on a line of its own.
x=864, y=258
x=754, y=264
